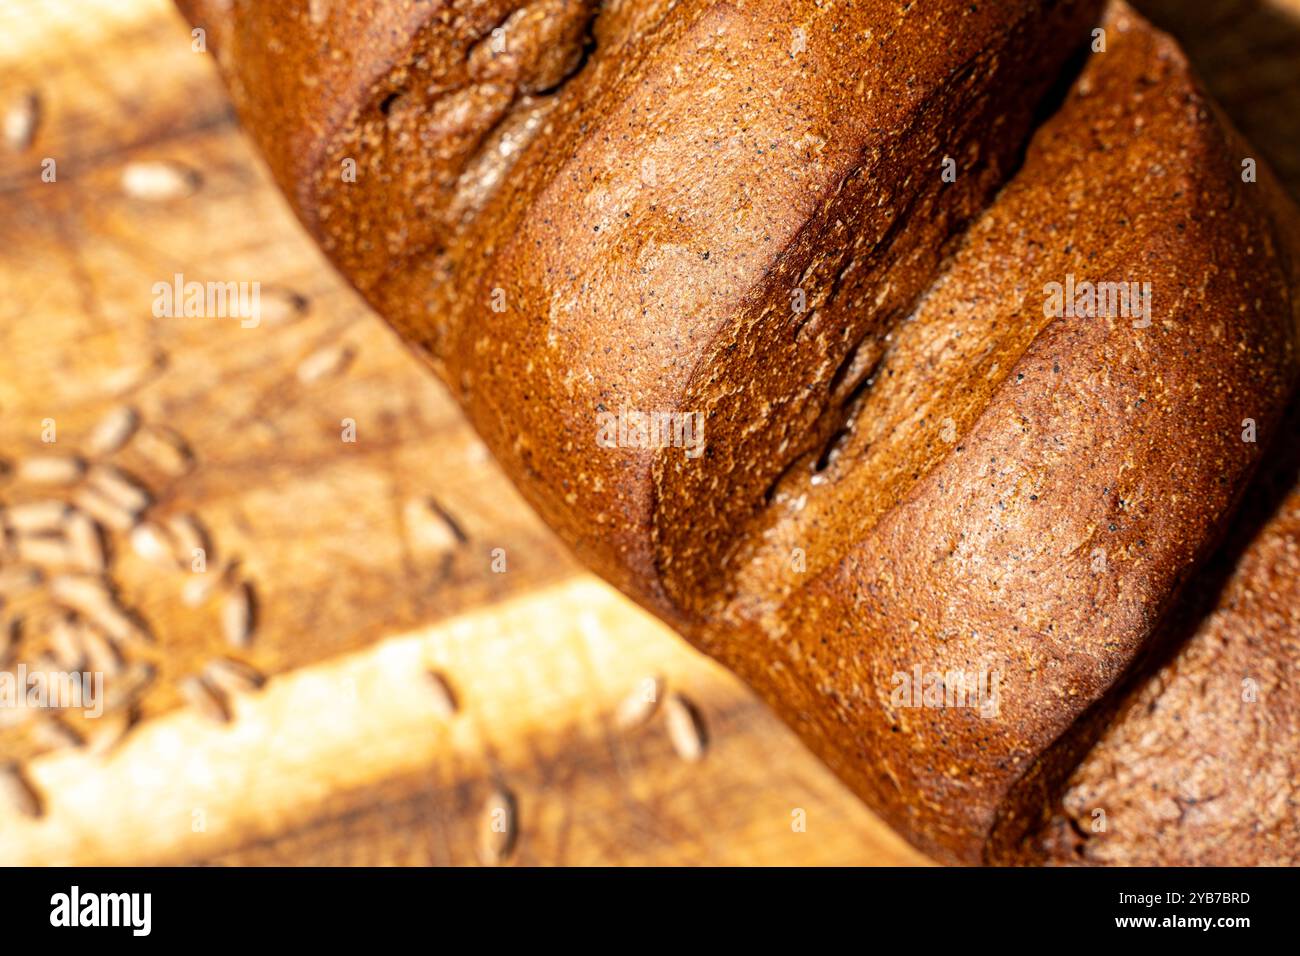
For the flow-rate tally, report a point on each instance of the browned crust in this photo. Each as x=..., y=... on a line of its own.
x=1196, y=762
x=819, y=170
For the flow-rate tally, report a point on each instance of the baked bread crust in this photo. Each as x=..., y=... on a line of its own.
x=738, y=210
x=1198, y=763
x=631, y=273
x=1092, y=464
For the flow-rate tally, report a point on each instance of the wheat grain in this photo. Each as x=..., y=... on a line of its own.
x=104, y=509
x=102, y=655
x=128, y=378
x=125, y=688
x=431, y=527
x=685, y=728
x=22, y=120
x=109, y=730
x=90, y=598
x=113, y=431
x=49, y=470
x=158, y=180
x=80, y=591
x=120, y=487
x=66, y=644
x=498, y=827
x=17, y=581
x=188, y=537
x=36, y=517
x=330, y=360
x=233, y=676
x=237, y=613
x=638, y=707
x=203, y=584
x=282, y=306
x=42, y=551
x=166, y=450
x=11, y=631
x=152, y=543
x=85, y=542
x=54, y=734
x=210, y=701
x=442, y=695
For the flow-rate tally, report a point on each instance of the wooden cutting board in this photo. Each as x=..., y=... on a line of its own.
x=370, y=562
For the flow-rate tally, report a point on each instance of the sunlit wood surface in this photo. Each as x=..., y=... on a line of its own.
x=344, y=756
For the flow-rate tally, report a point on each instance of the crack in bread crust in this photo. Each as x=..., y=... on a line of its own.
x=641, y=191
x=1071, y=436
x=866, y=258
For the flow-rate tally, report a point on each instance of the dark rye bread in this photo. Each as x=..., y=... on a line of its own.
x=1089, y=465
x=1200, y=763
x=631, y=272
x=918, y=471
x=409, y=92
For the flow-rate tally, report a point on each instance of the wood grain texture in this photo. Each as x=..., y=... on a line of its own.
x=349, y=762
x=342, y=758
x=316, y=522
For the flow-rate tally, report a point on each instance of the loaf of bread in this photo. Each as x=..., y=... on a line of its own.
x=1198, y=763
x=909, y=359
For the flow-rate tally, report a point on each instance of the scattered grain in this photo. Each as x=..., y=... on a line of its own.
x=85, y=543
x=17, y=581
x=200, y=587
x=113, y=431
x=330, y=360
x=43, y=551
x=104, y=509
x=120, y=487
x=636, y=709
x=498, y=827
x=203, y=584
x=128, y=378
x=36, y=517
x=49, y=470
x=154, y=544
x=54, y=734
x=22, y=120
x=430, y=526
x=90, y=598
x=685, y=728
x=66, y=644
x=188, y=536
x=125, y=688
x=209, y=700
x=11, y=632
x=166, y=450
x=443, y=697
x=102, y=655
x=282, y=306
x=109, y=730
x=80, y=591
x=158, y=180
x=237, y=615
x=233, y=676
